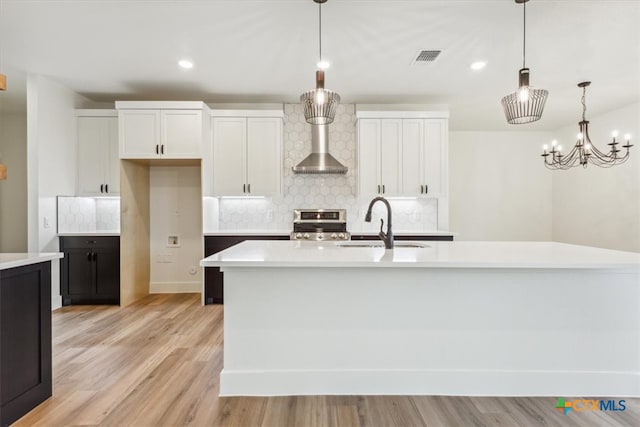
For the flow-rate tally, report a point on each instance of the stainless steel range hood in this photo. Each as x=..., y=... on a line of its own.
x=320, y=161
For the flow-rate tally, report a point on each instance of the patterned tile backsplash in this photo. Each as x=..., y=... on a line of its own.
x=318, y=191
x=88, y=214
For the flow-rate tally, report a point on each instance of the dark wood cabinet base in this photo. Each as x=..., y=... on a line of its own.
x=90, y=270
x=25, y=339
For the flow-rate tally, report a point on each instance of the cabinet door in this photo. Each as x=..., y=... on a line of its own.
x=435, y=157
x=229, y=156
x=112, y=159
x=181, y=134
x=368, y=157
x=264, y=139
x=412, y=146
x=93, y=143
x=79, y=271
x=391, y=156
x=107, y=264
x=139, y=134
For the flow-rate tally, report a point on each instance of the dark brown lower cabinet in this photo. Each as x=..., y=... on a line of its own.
x=25, y=339
x=90, y=270
x=213, y=286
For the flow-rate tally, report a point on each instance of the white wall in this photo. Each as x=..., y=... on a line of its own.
x=13, y=191
x=175, y=209
x=596, y=206
x=499, y=188
x=51, y=162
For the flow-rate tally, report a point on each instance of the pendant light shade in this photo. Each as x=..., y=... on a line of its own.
x=526, y=104
x=320, y=104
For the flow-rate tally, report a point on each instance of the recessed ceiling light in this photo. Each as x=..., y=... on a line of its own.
x=185, y=63
x=323, y=65
x=478, y=65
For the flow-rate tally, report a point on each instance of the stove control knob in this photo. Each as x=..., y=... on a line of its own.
x=334, y=236
x=306, y=235
x=341, y=236
x=298, y=235
x=320, y=236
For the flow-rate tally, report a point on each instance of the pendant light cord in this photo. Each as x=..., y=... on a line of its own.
x=320, y=32
x=524, y=33
x=584, y=103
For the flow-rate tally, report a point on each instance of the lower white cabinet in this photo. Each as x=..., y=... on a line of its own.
x=98, y=161
x=247, y=156
x=402, y=156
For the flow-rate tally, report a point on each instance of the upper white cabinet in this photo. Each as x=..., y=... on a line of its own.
x=171, y=130
x=402, y=156
x=98, y=161
x=246, y=156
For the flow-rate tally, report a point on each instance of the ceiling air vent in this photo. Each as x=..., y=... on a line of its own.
x=426, y=56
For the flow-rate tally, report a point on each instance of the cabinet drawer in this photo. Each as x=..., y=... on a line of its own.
x=80, y=242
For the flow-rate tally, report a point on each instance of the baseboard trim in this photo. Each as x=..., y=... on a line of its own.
x=421, y=382
x=175, y=287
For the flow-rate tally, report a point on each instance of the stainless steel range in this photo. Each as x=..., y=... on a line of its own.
x=320, y=224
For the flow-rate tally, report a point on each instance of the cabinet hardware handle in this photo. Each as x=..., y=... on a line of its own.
x=248, y=188
x=88, y=256
x=91, y=242
x=95, y=256
x=244, y=188
x=157, y=149
x=382, y=188
x=378, y=188
x=426, y=189
x=162, y=149
x=421, y=189
x=106, y=188
x=102, y=188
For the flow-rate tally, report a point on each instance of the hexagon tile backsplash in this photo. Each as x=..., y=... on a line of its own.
x=320, y=191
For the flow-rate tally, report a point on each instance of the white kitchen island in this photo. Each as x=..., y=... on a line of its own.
x=453, y=318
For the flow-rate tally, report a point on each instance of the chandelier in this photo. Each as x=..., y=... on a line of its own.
x=525, y=105
x=320, y=104
x=584, y=152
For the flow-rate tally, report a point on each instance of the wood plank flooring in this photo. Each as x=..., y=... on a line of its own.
x=156, y=363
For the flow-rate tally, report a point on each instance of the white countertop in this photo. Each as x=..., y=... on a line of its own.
x=261, y=253
x=90, y=233
x=11, y=260
x=286, y=232
x=249, y=232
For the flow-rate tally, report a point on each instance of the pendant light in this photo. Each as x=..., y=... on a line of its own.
x=525, y=105
x=320, y=104
x=584, y=152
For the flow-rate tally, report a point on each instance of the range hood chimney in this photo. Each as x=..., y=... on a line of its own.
x=320, y=161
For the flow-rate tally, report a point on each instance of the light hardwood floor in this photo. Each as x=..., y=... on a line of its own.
x=156, y=362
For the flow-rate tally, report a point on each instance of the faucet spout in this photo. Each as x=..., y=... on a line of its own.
x=387, y=237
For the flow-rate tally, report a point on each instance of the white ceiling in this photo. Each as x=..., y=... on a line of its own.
x=266, y=50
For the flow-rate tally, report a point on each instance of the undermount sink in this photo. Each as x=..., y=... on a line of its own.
x=374, y=244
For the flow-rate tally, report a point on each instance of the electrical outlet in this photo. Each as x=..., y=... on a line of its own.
x=45, y=222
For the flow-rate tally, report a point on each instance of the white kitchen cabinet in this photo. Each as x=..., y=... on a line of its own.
x=402, y=156
x=247, y=159
x=97, y=145
x=153, y=130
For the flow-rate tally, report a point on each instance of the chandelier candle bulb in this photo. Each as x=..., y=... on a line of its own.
x=614, y=134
